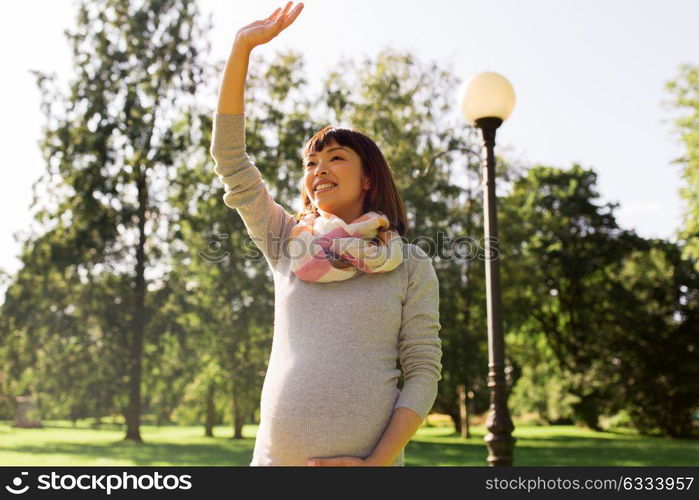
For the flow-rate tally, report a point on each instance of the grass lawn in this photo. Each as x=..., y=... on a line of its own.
x=59, y=443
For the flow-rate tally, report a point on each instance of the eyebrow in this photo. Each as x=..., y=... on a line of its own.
x=331, y=149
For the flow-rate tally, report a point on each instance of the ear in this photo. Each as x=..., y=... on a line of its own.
x=367, y=183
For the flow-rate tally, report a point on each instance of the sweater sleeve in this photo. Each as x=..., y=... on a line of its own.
x=267, y=222
x=419, y=346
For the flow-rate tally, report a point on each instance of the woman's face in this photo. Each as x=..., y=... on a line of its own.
x=342, y=167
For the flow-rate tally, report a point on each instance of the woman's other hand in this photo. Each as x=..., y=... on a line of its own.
x=262, y=31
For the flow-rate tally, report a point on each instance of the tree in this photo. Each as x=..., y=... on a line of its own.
x=56, y=330
x=109, y=147
x=561, y=240
x=654, y=353
x=616, y=312
x=685, y=89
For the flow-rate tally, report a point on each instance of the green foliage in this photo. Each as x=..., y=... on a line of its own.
x=87, y=300
x=685, y=91
x=542, y=392
x=655, y=352
x=191, y=411
x=559, y=239
x=617, y=313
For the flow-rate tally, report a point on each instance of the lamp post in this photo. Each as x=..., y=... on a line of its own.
x=486, y=100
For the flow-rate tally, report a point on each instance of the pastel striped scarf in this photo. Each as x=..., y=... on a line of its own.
x=324, y=248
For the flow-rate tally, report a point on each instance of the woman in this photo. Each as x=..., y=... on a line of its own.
x=350, y=297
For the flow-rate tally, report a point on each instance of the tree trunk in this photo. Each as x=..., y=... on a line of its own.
x=587, y=411
x=463, y=411
x=453, y=412
x=238, y=413
x=210, y=410
x=133, y=413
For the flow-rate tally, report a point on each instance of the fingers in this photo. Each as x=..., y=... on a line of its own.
x=278, y=13
x=280, y=19
x=292, y=15
x=272, y=16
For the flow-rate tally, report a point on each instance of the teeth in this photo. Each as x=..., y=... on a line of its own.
x=323, y=186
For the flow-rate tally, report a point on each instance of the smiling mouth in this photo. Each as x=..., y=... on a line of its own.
x=324, y=189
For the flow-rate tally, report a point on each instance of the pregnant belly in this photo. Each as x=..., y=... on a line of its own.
x=302, y=418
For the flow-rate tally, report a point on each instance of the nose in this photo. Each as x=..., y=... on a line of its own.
x=323, y=169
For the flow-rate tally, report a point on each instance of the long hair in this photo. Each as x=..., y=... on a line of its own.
x=382, y=195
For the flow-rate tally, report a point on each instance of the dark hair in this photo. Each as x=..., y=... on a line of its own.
x=382, y=195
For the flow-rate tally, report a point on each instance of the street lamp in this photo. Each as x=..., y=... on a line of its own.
x=486, y=100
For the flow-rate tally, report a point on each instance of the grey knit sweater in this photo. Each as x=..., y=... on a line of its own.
x=331, y=384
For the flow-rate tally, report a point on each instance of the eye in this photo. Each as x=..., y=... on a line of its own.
x=311, y=163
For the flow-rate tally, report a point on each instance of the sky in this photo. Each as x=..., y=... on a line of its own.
x=589, y=79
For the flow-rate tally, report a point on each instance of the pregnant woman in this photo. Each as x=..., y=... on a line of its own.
x=351, y=298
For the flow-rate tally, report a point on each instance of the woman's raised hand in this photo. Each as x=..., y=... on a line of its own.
x=262, y=31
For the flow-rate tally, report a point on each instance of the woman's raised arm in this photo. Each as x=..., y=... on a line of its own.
x=268, y=223
x=231, y=93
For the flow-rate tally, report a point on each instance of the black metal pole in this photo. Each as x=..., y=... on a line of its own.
x=499, y=424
